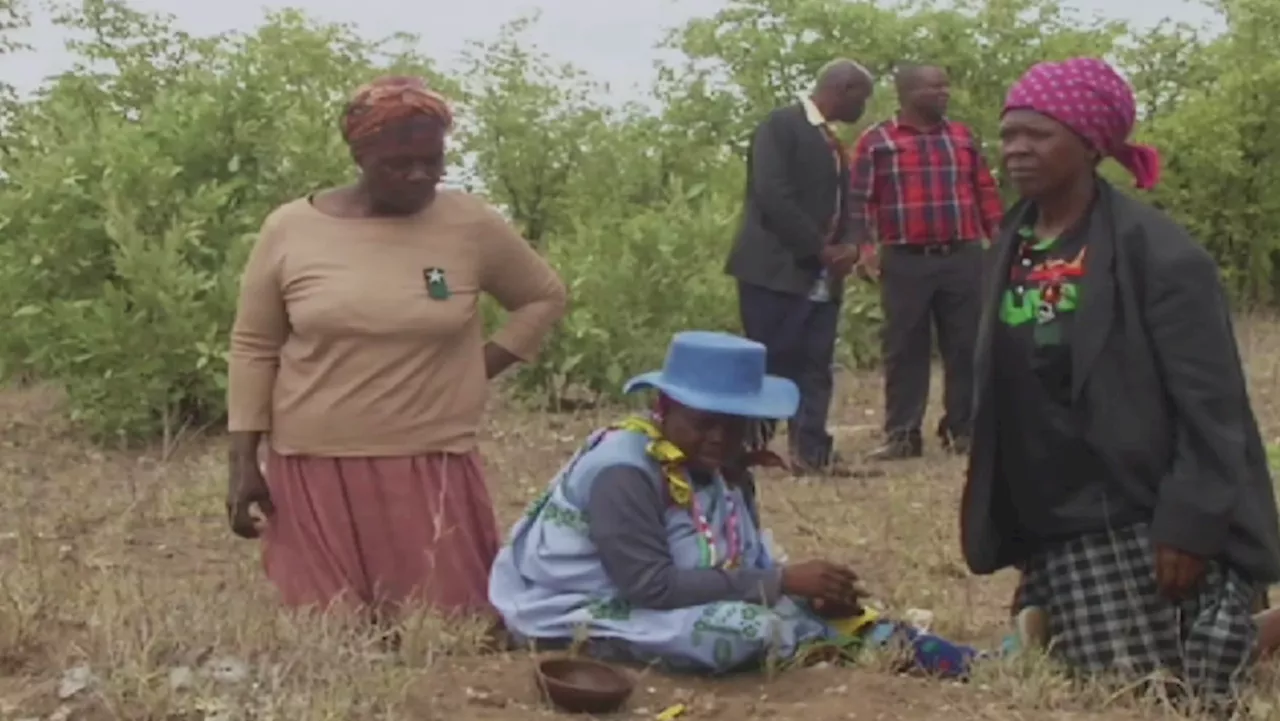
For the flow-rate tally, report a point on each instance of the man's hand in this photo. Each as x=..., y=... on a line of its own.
x=1178, y=573
x=868, y=267
x=839, y=260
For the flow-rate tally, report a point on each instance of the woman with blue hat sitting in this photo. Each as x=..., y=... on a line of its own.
x=647, y=543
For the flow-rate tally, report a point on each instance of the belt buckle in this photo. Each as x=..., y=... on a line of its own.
x=939, y=248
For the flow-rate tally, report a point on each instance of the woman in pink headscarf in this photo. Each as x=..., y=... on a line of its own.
x=1116, y=461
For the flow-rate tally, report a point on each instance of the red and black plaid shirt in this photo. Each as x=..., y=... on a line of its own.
x=922, y=186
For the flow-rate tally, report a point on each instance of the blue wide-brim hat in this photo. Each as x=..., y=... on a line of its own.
x=720, y=373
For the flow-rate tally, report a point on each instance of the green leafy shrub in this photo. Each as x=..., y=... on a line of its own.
x=132, y=185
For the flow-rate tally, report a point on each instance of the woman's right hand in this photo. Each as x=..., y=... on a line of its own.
x=247, y=489
x=820, y=579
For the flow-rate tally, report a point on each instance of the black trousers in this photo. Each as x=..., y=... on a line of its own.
x=921, y=289
x=800, y=335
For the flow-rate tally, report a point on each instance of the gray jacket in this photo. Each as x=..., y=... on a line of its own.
x=793, y=187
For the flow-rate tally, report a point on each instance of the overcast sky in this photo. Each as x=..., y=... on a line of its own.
x=613, y=40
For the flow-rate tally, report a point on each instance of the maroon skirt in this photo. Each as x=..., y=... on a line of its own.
x=381, y=533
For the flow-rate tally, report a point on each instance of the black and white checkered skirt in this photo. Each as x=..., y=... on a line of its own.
x=1106, y=615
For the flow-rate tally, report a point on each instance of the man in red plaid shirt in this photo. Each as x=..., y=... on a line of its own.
x=925, y=200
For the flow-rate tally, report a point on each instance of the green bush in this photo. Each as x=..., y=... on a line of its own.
x=634, y=281
x=132, y=185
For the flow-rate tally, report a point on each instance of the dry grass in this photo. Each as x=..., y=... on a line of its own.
x=123, y=596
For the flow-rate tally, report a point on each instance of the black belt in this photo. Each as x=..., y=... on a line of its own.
x=944, y=248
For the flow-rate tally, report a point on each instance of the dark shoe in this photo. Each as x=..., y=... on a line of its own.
x=959, y=445
x=898, y=449
x=953, y=442
x=835, y=467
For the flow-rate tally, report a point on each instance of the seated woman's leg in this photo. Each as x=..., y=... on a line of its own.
x=1268, y=623
x=715, y=638
x=732, y=636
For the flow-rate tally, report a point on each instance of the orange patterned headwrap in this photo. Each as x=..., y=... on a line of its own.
x=398, y=102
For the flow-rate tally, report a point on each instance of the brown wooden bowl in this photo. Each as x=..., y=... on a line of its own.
x=580, y=685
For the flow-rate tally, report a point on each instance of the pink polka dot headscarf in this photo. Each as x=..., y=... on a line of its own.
x=1090, y=97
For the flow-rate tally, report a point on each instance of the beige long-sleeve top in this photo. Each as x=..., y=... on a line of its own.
x=340, y=348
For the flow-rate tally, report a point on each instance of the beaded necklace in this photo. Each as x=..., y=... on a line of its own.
x=707, y=539
x=672, y=460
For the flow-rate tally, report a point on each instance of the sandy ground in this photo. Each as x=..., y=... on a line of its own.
x=123, y=596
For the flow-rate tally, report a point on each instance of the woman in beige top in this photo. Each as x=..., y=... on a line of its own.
x=358, y=350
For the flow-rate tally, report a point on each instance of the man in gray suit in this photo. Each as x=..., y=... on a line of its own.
x=795, y=248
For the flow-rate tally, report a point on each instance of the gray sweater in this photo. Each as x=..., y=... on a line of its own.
x=625, y=520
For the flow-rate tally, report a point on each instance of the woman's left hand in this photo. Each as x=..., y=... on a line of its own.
x=1178, y=573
